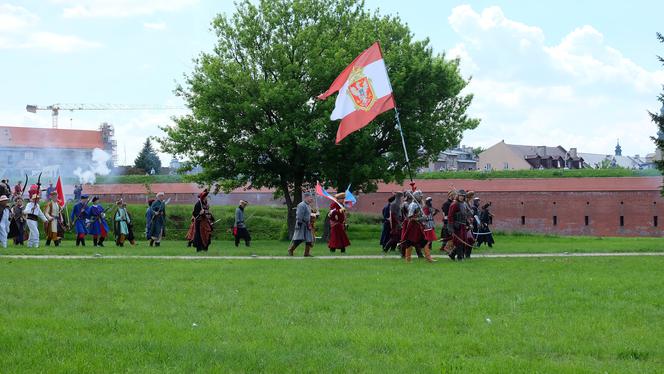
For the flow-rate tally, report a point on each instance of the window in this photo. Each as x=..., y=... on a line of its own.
x=622, y=221
x=29, y=155
x=587, y=220
x=506, y=166
x=555, y=220
x=523, y=220
x=654, y=221
x=487, y=167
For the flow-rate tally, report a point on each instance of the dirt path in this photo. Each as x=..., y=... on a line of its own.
x=366, y=257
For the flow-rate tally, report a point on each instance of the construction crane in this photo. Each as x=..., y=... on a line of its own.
x=56, y=108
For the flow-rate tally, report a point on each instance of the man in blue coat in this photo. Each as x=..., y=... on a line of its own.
x=78, y=216
x=98, y=227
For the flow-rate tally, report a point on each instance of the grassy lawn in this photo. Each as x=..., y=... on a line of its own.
x=488, y=315
x=505, y=244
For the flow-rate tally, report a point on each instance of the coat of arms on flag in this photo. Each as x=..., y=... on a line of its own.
x=361, y=90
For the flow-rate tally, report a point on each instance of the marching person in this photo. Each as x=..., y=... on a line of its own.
x=157, y=220
x=17, y=225
x=240, y=227
x=54, y=228
x=78, y=217
x=413, y=231
x=429, y=227
x=396, y=223
x=472, y=216
x=148, y=219
x=5, y=213
x=486, y=218
x=98, y=226
x=458, y=222
x=18, y=189
x=130, y=226
x=200, y=234
x=303, y=227
x=121, y=223
x=385, y=233
x=337, y=214
x=4, y=188
x=445, y=234
x=34, y=213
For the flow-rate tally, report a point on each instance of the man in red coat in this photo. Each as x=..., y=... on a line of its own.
x=338, y=236
x=412, y=234
x=458, y=221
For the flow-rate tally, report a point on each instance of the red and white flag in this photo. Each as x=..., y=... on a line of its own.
x=61, y=194
x=364, y=92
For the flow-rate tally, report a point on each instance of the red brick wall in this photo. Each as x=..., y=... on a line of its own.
x=602, y=208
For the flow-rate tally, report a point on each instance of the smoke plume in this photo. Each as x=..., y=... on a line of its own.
x=98, y=166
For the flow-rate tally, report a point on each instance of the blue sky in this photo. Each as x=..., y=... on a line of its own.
x=575, y=73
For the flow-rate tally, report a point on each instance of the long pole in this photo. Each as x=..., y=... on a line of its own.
x=403, y=142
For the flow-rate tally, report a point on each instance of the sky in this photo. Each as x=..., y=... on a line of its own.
x=578, y=73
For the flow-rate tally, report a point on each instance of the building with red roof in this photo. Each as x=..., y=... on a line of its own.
x=53, y=152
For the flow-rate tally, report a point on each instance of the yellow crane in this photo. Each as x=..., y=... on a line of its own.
x=56, y=108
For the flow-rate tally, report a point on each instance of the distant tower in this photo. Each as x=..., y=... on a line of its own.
x=618, y=149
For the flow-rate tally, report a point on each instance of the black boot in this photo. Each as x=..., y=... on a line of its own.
x=83, y=242
x=57, y=243
x=95, y=241
x=101, y=241
x=48, y=242
x=78, y=241
x=157, y=244
x=419, y=252
x=151, y=242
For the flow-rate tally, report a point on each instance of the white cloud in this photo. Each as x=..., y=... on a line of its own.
x=579, y=92
x=58, y=43
x=119, y=8
x=155, y=26
x=15, y=18
x=19, y=29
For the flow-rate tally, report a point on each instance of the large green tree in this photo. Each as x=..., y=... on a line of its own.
x=659, y=121
x=255, y=121
x=148, y=159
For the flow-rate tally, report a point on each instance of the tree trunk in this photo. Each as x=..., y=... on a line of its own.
x=291, y=205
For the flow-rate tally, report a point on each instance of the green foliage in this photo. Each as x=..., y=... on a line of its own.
x=546, y=173
x=148, y=159
x=563, y=315
x=658, y=119
x=255, y=120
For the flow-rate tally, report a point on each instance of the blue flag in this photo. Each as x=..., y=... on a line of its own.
x=350, y=198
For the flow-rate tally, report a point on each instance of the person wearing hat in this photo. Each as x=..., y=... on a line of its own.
x=412, y=235
x=445, y=234
x=385, y=233
x=239, y=226
x=408, y=200
x=4, y=220
x=54, y=228
x=148, y=220
x=429, y=224
x=157, y=220
x=121, y=223
x=303, y=226
x=78, y=217
x=338, y=237
x=98, y=227
x=17, y=225
x=34, y=213
x=396, y=222
x=458, y=220
x=200, y=232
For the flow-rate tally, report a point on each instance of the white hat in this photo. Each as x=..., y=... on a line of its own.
x=4, y=198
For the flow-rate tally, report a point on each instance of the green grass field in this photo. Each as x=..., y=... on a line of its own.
x=566, y=315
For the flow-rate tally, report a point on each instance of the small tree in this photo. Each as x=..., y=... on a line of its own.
x=148, y=159
x=659, y=121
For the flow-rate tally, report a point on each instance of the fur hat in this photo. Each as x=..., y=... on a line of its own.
x=461, y=193
x=341, y=195
x=244, y=202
